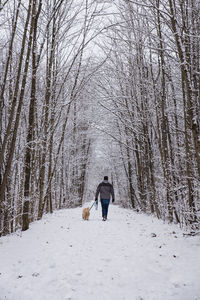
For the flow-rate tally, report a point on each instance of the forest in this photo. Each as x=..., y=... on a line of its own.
x=99, y=87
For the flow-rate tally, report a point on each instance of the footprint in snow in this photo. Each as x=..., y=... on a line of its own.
x=78, y=273
x=35, y=274
x=153, y=235
x=52, y=266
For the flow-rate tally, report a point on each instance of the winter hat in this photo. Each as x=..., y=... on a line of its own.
x=105, y=177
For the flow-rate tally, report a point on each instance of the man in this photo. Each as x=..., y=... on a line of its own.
x=106, y=190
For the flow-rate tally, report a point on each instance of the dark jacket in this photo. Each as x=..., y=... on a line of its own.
x=106, y=190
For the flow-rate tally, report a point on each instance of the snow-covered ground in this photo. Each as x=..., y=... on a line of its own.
x=63, y=257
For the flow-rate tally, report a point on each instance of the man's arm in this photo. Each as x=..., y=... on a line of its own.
x=97, y=192
x=112, y=193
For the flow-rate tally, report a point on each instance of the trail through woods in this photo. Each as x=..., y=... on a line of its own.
x=131, y=257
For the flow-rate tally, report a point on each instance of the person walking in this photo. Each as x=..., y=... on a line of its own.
x=106, y=191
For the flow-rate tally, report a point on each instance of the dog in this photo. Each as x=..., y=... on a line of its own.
x=86, y=213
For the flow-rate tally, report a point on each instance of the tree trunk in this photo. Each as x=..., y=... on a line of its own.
x=30, y=135
x=20, y=103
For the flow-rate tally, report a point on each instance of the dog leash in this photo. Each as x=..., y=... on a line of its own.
x=93, y=205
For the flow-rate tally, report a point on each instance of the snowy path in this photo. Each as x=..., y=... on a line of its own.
x=62, y=257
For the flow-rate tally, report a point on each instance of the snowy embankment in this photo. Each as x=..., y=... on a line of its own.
x=131, y=256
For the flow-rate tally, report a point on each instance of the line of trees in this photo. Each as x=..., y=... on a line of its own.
x=140, y=60
x=44, y=106
x=150, y=87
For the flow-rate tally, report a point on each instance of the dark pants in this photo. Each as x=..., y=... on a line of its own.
x=104, y=205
